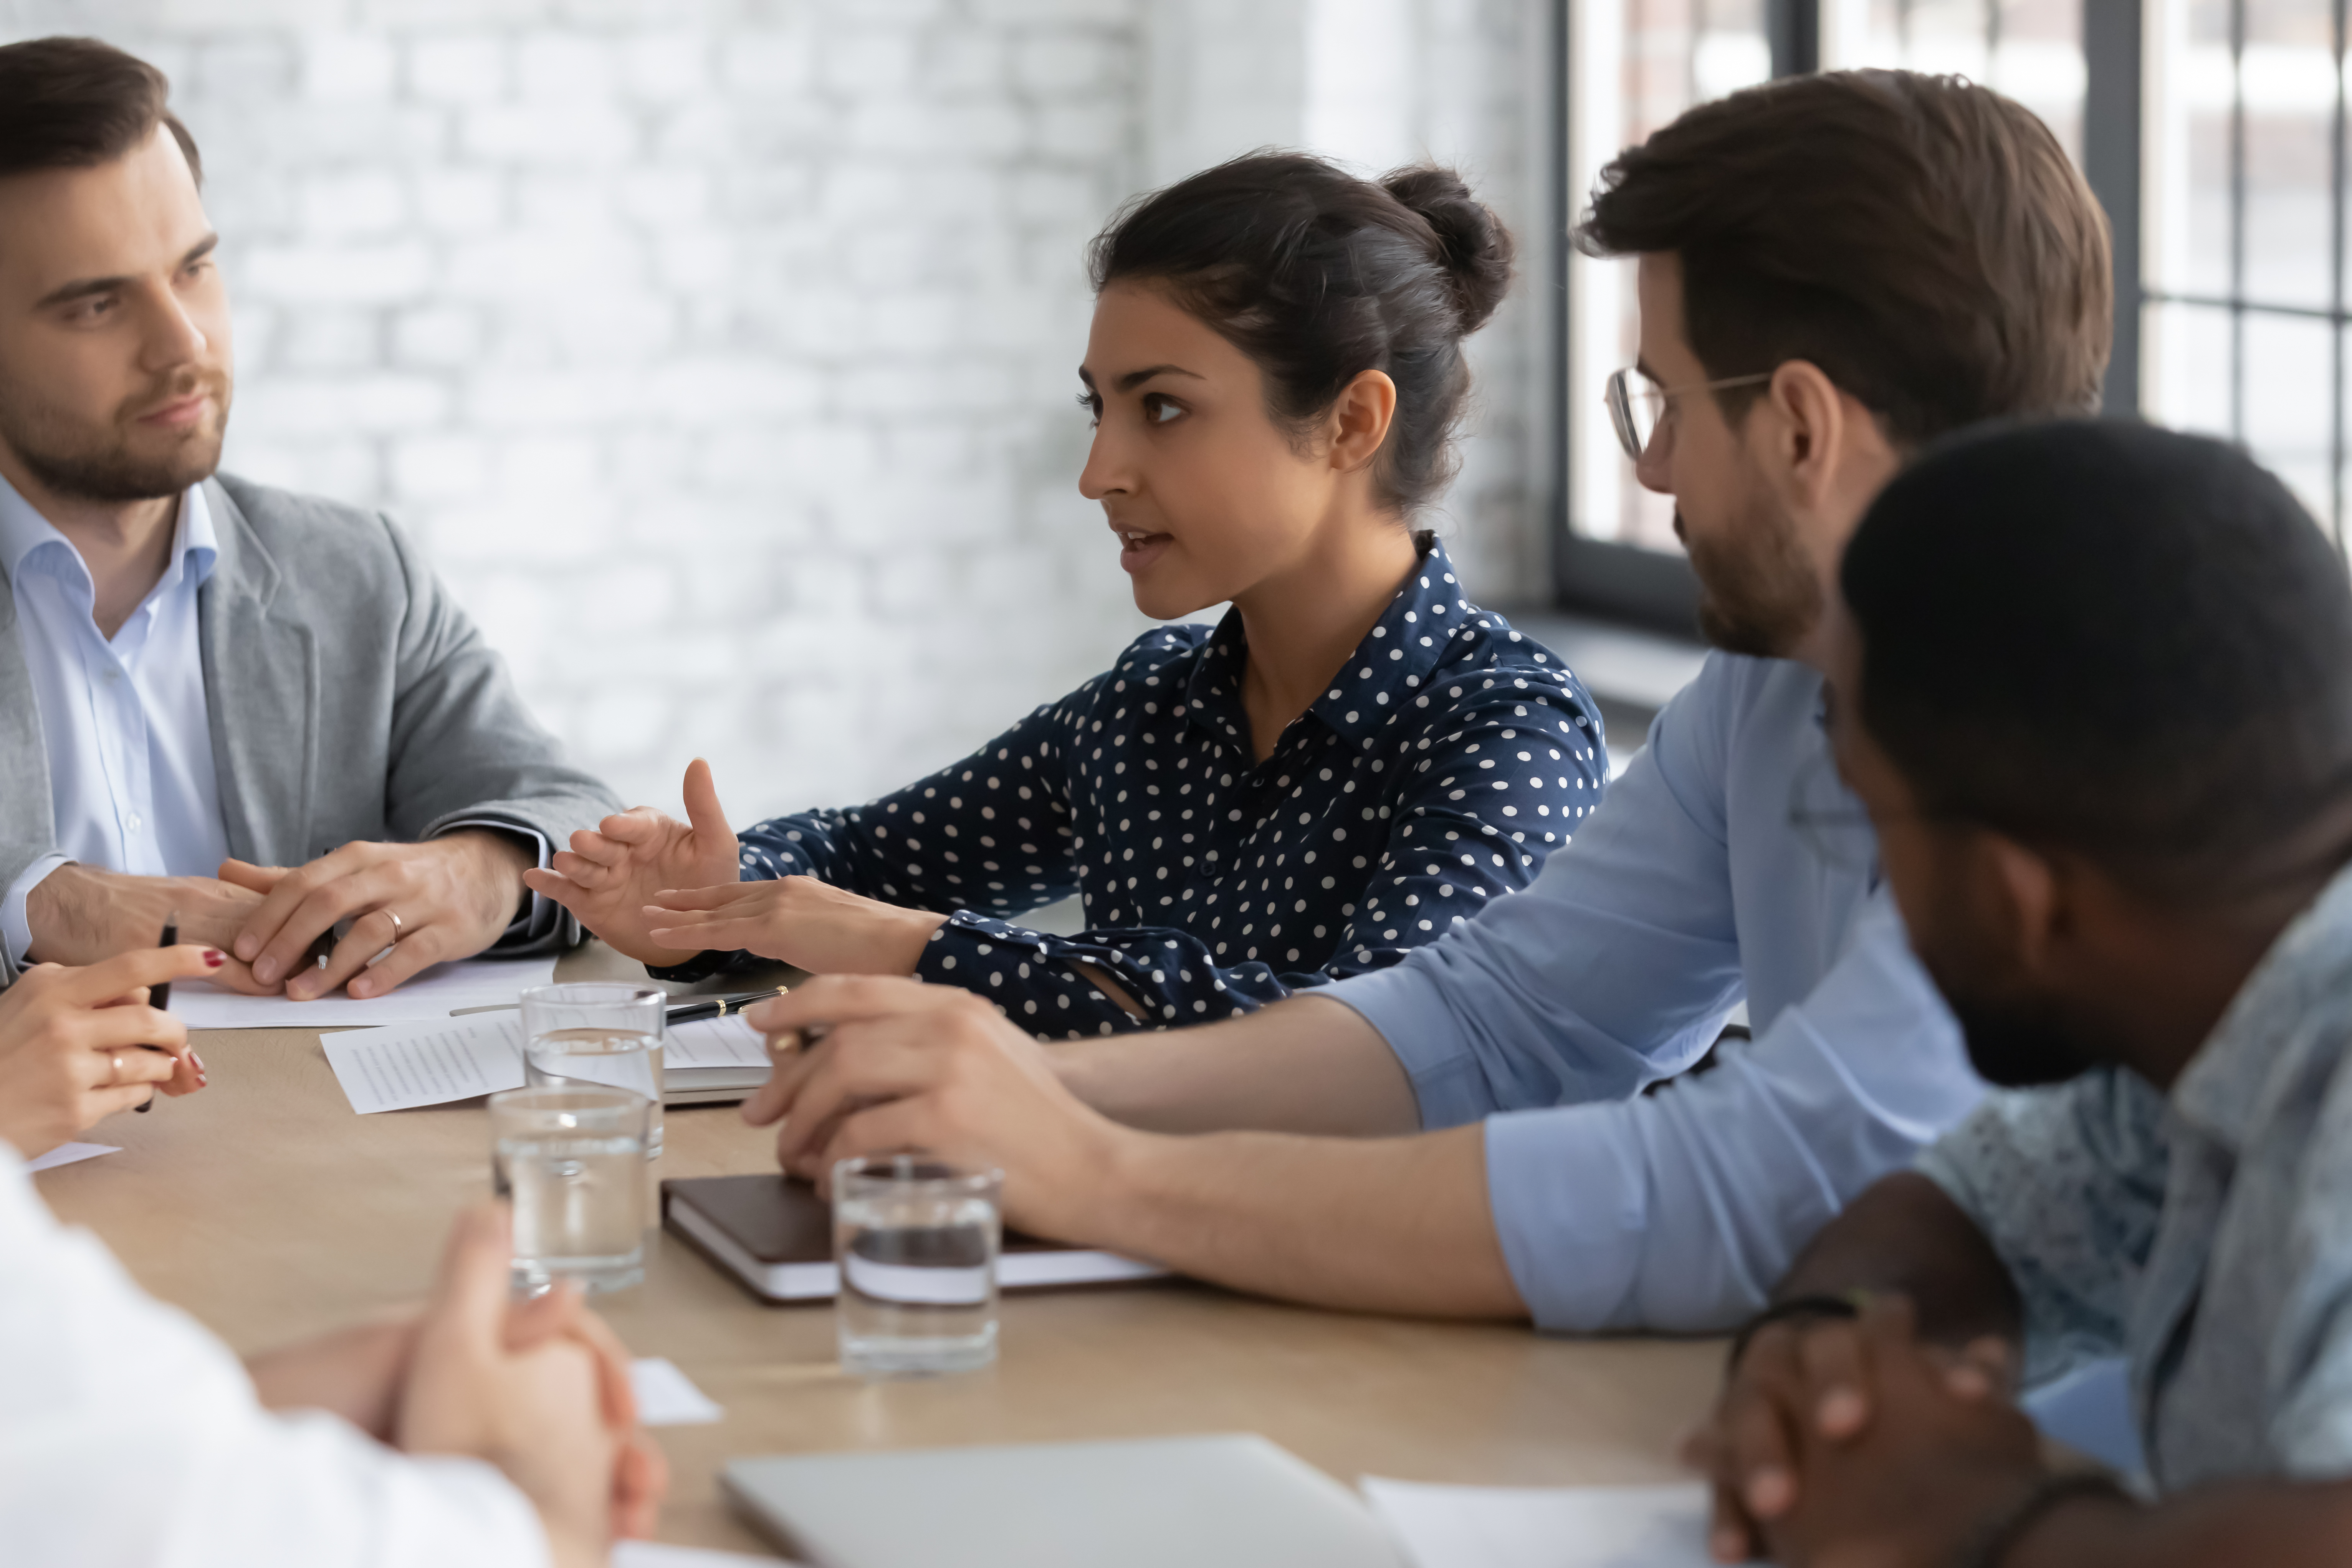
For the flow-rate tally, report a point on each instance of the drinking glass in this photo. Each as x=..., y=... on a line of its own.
x=609, y=1033
x=916, y=1241
x=572, y=1160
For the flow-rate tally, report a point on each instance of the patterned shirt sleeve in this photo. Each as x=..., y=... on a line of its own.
x=992, y=831
x=2067, y=1184
x=1484, y=804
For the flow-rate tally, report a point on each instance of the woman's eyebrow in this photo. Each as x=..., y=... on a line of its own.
x=1136, y=378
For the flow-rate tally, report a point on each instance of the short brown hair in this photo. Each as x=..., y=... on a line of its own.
x=1921, y=240
x=75, y=103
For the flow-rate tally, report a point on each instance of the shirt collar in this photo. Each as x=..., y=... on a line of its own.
x=196, y=546
x=2295, y=993
x=1386, y=670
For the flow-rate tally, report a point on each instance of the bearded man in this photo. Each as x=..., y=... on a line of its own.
x=204, y=682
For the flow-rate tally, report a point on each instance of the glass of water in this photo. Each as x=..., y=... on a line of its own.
x=916, y=1241
x=573, y=1161
x=607, y=1033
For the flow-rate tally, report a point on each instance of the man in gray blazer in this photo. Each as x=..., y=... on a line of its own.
x=204, y=682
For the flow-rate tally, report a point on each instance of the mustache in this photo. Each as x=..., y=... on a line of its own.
x=175, y=384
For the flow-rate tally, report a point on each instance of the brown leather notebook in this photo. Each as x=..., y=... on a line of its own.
x=775, y=1234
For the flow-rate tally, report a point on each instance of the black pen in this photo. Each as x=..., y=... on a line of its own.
x=718, y=1006
x=159, y=997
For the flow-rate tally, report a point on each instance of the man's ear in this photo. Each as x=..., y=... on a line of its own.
x=1359, y=419
x=1797, y=432
x=2027, y=902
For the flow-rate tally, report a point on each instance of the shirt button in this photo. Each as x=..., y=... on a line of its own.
x=132, y=822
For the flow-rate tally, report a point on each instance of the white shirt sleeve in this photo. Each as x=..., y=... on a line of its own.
x=129, y=1436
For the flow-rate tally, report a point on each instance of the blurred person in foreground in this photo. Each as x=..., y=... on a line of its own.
x=2095, y=687
x=1833, y=270
x=203, y=680
x=472, y=1431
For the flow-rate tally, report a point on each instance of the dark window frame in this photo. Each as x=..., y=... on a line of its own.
x=1654, y=589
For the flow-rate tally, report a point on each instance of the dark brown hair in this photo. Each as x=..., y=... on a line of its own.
x=1319, y=276
x=75, y=103
x=1922, y=240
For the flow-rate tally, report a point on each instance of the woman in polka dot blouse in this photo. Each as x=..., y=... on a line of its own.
x=1355, y=759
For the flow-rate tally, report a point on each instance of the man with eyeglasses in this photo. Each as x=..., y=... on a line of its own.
x=1834, y=270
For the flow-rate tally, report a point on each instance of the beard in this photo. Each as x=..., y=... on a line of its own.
x=2018, y=1045
x=1758, y=592
x=80, y=462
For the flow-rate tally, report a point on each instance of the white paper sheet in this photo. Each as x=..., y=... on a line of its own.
x=407, y=1065
x=66, y=1153
x=1544, y=1527
x=435, y=993
x=667, y=1397
x=714, y=1043
x=654, y=1554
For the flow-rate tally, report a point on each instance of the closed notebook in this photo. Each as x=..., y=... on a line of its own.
x=775, y=1234
x=1226, y=1501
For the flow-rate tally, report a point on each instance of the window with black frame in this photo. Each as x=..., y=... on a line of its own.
x=2245, y=184
x=1636, y=65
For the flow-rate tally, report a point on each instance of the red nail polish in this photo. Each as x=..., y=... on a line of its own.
x=214, y=958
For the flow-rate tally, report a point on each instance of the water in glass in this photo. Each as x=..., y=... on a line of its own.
x=617, y=1058
x=918, y=1257
x=572, y=1160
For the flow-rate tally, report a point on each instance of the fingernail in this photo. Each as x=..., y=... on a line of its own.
x=1729, y=1545
x=1840, y=1409
x=246, y=946
x=199, y=1061
x=266, y=971
x=1768, y=1490
x=214, y=958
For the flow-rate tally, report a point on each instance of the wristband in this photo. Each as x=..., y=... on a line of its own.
x=1844, y=1306
x=2000, y=1534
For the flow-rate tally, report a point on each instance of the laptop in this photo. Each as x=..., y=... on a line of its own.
x=1233, y=1500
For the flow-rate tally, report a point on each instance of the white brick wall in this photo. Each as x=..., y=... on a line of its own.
x=720, y=351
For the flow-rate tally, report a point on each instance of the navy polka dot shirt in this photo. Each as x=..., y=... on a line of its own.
x=1448, y=758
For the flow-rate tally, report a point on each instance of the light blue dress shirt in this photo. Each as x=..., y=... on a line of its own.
x=125, y=721
x=1688, y=893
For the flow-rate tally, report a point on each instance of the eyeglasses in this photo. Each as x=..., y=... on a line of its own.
x=1637, y=405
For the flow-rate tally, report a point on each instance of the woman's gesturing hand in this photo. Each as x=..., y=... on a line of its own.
x=71, y=1044
x=798, y=921
x=608, y=877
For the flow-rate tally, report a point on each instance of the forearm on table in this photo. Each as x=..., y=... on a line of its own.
x=77, y=914
x=1905, y=1234
x=1393, y=1225
x=2280, y=1524
x=1305, y=1064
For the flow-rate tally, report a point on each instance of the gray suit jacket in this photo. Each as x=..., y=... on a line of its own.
x=350, y=697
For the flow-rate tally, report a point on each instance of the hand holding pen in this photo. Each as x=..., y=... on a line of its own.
x=78, y=1045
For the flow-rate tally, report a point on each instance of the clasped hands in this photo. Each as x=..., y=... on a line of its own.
x=1854, y=1444
x=538, y=1388
x=453, y=896
x=661, y=890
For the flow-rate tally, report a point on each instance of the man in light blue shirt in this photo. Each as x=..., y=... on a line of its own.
x=1831, y=271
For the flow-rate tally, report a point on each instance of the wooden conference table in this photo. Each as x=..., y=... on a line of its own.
x=268, y=1209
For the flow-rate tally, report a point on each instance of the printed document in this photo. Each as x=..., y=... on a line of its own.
x=409, y=1065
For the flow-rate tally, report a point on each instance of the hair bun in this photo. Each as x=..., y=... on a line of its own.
x=1476, y=246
